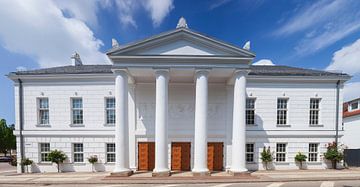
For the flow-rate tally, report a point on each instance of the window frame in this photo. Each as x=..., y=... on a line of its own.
x=74, y=152
x=284, y=153
x=107, y=109
x=41, y=152
x=77, y=109
x=318, y=110
x=286, y=110
x=248, y=109
x=107, y=153
x=351, y=105
x=310, y=152
x=40, y=109
x=250, y=153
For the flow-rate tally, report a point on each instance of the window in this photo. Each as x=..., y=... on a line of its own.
x=282, y=111
x=250, y=152
x=280, y=152
x=314, y=111
x=44, y=152
x=78, y=152
x=43, y=111
x=354, y=105
x=250, y=111
x=77, y=111
x=110, y=152
x=110, y=110
x=313, y=152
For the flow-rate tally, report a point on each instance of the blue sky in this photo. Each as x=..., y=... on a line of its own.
x=311, y=34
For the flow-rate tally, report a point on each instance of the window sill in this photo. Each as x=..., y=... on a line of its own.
x=77, y=125
x=109, y=125
x=251, y=163
x=283, y=125
x=282, y=163
x=319, y=125
x=251, y=125
x=43, y=125
x=110, y=163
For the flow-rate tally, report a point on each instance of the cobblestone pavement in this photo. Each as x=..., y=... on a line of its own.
x=350, y=183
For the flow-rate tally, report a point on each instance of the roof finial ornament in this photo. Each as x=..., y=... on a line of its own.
x=247, y=45
x=182, y=23
x=75, y=59
x=114, y=43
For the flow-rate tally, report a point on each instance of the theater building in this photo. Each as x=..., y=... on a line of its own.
x=177, y=101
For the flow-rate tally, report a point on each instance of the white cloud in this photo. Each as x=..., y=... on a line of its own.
x=39, y=29
x=158, y=9
x=351, y=91
x=264, y=62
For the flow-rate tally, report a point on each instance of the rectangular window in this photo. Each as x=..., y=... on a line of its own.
x=110, y=110
x=78, y=152
x=313, y=152
x=44, y=152
x=282, y=111
x=250, y=111
x=43, y=111
x=77, y=110
x=280, y=152
x=110, y=152
x=354, y=105
x=250, y=152
x=314, y=111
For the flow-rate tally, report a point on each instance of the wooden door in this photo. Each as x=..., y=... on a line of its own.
x=215, y=156
x=146, y=156
x=180, y=156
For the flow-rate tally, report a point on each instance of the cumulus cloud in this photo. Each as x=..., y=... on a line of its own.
x=158, y=9
x=264, y=62
x=40, y=30
x=351, y=91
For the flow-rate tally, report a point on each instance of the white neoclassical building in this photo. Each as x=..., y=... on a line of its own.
x=180, y=101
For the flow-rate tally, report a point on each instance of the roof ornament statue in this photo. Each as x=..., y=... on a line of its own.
x=247, y=45
x=76, y=60
x=182, y=23
x=114, y=43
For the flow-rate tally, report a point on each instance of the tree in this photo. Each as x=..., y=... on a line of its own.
x=333, y=154
x=300, y=158
x=266, y=157
x=93, y=160
x=7, y=138
x=58, y=157
x=26, y=162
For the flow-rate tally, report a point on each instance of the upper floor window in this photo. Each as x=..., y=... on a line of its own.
x=282, y=111
x=354, y=105
x=44, y=152
x=314, y=111
x=78, y=152
x=77, y=110
x=281, y=152
x=250, y=111
x=110, y=110
x=43, y=111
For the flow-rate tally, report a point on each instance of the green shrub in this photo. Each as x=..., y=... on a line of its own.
x=266, y=156
x=300, y=158
x=333, y=154
x=93, y=160
x=57, y=157
x=26, y=162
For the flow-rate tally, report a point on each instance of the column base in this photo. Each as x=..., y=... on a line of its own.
x=201, y=173
x=121, y=173
x=161, y=174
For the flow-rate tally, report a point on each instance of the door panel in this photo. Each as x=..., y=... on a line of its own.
x=180, y=156
x=146, y=156
x=215, y=156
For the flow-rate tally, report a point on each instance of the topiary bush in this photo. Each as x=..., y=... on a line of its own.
x=266, y=157
x=333, y=154
x=26, y=162
x=93, y=160
x=300, y=158
x=58, y=157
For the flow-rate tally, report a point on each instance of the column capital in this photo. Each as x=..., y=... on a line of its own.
x=120, y=71
x=241, y=72
x=163, y=72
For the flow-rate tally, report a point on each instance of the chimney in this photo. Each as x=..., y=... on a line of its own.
x=75, y=59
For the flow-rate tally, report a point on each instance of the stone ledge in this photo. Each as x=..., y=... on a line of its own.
x=239, y=174
x=201, y=174
x=121, y=174
x=161, y=174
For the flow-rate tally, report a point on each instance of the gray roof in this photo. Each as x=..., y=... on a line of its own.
x=257, y=70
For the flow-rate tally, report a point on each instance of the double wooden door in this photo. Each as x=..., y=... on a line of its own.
x=146, y=156
x=180, y=156
x=215, y=156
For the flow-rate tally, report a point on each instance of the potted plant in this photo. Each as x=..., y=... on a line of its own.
x=266, y=157
x=333, y=154
x=300, y=158
x=26, y=162
x=93, y=160
x=58, y=157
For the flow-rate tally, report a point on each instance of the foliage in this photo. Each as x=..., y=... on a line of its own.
x=26, y=162
x=266, y=156
x=58, y=157
x=7, y=138
x=333, y=154
x=93, y=160
x=300, y=158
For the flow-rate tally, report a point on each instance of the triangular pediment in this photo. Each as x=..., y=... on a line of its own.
x=180, y=42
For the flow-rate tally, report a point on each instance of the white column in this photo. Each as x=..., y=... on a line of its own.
x=121, y=123
x=200, y=136
x=161, y=122
x=239, y=124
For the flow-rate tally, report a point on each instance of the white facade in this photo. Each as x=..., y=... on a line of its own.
x=351, y=124
x=166, y=102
